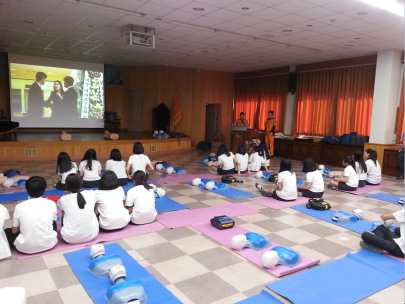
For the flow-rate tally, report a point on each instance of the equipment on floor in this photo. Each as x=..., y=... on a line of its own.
x=321, y=169
x=101, y=264
x=259, y=174
x=401, y=200
x=222, y=222
x=344, y=217
x=358, y=213
x=159, y=192
x=251, y=240
x=229, y=179
x=210, y=185
x=169, y=170
x=318, y=204
x=300, y=182
x=273, y=178
x=281, y=256
x=326, y=172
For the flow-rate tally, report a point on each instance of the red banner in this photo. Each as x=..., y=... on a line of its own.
x=177, y=111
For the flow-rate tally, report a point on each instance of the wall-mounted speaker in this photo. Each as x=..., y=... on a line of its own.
x=292, y=82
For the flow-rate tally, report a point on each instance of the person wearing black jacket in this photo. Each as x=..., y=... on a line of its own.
x=36, y=96
x=55, y=100
x=400, y=160
x=70, y=98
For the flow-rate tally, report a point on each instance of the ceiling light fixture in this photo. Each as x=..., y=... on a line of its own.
x=108, y=8
x=391, y=6
x=199, y=9
x=161, y=39
x=348, y=45
x=362, y=13
x=287, y=31
x=90, y=26
x=332, y=20
x=158, y=18
x=357, y=38
x=26, y=21
x=245, y=8
x=309, y=25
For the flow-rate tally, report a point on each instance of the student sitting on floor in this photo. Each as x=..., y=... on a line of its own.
x=140, y=200
x=226, y=161
x=117, y=165
x=256, y=160
x=373, y=168
x=314, y=186
x=4, y=247
x=242, y=164
x=266, y=156
x=348, y=180
x=110, y=200
x=79, y=222
x=361, y=167
x=90, y=169
x=138, y=161
x=64, y=167
x=385, y=239
x=34, y=220
x=286, y=184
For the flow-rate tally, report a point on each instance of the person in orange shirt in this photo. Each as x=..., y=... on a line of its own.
x=241, y=121
x=269, y=128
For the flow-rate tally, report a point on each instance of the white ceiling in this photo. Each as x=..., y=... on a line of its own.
x=60, y=28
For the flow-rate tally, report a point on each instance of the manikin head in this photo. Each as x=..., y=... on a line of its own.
x=270, y=259
x=196, y=181
x=238, y=241
x=259, y=174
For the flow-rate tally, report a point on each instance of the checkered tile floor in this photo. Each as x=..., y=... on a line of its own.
x=193, y=267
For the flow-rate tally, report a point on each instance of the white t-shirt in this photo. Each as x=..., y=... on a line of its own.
x=143, y=202
x=35, y=218
x=353, y=178
x=90, y=175
x=289, y=181
x=399, y=215
x=4, y=247
x=266, y=161
x=255, y=161
x=227, y=161
x=138, y=162
x=64, y=175
x=13, y=295
x=243, y=161
x=118, y=167
x=316, y=180
x=79, y=225
x=373, y=172
x=362, y=175
x=113, y=214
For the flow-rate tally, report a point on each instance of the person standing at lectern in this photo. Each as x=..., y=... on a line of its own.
x=36, y=97
x=269, y=128
x=241, y=121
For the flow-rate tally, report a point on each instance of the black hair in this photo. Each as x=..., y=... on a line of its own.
x=285, y=165
x=61, y=86
x=241, y=149
x=115, y=155
x=40, y=75
x=349, y=160
x=309, y=165
x=109, y=181
x=64, y=163
x=69, y=80
x=139, y=178
x=90, y=155
x=223, y=150
x=74, y=184
x=271, y=112
x=241, y=113
x=35, y=186
x=259, y=150
x=358, y=157
x=373, y=155
x=138, y=148
x=266, y=151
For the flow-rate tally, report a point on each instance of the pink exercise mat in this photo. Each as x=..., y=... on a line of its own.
x=394, y=257
x=13, y=189
x=276, y=204
x=224, y=238
x=179, y=178
x=366, y=188
x=189, y=217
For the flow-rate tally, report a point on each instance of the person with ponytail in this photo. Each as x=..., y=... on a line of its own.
x=141, y=200
x=373, y=168
x=350, y=180
x=90, y=169
x=79, y=222
x=361, y=167
x=110, y=200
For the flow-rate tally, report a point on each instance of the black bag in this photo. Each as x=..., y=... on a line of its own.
x=318, y=204
x=273, y=178
x=202, y=145
x=358, y=140
x=229, y=179
x=11, y=173
x=222, y=222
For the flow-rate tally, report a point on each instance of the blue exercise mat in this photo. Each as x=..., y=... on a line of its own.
x=22, y=196
x=302, y=172
x=344, y=281
x=97, y=287
x=232, y=193
x=165, y=204
x=326, y=215
x=386, y=197
x=261, y=298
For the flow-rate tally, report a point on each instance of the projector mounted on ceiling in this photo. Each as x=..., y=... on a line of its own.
x=138, y=36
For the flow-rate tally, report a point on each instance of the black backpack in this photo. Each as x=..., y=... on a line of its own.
x=318, y=204
x=229, y=179
x=273, y=178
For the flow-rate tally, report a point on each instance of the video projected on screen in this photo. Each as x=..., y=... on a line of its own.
x=43, y=96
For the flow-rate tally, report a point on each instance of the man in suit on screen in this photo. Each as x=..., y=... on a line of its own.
x=36, y=96
x=70, y=98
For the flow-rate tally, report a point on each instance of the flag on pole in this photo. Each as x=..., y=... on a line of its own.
x=177, y=112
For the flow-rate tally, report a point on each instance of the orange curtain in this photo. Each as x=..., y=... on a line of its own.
x=399, y=125
x=335, y=102
x=257, y=96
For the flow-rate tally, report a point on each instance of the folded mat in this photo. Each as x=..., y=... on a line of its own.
x=224, y=238
x=190, y=217
x=22, y=196
x=366, y=188
x=347, y=280
x=180, y=178
x=232, y=193
x=386, y=197
x=128, y=231
x=97, y=287
x=276, y=204
x=326, y=215
x=165, y=204
x=261, y=298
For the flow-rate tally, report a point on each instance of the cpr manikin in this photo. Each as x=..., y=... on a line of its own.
x=281, y=256
x=347, y=218
x=209, y=184
x=263, y=175
x=388, y=224
x=250, y=240
x=101, y=264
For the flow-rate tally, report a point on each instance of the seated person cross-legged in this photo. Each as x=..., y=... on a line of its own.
x=314, y=187
x=226, y=161
x=373, y=168
x=34, y=220
x=348, y=180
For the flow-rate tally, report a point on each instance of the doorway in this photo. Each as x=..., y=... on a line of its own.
x=135, y=111
x=212, y=121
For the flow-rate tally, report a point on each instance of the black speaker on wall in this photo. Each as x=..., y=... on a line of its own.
x=292, y=82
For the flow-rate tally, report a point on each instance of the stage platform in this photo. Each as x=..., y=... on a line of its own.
x=45, y=145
